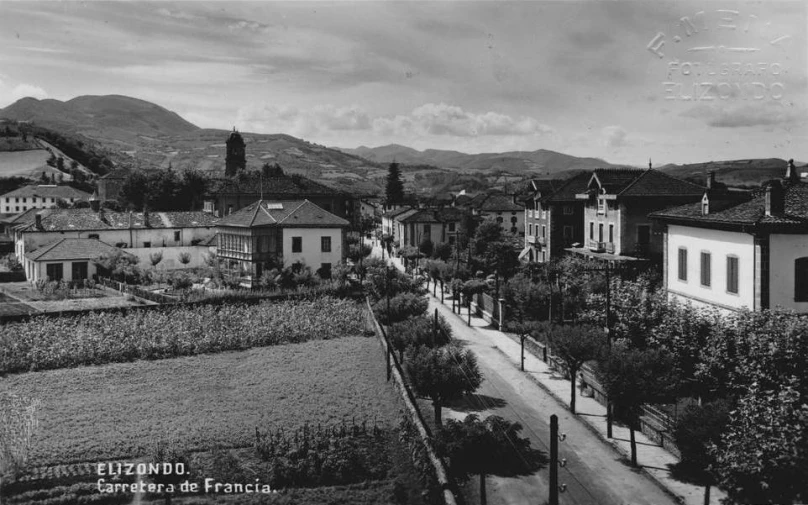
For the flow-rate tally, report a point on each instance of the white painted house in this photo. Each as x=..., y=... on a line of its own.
x=732, y=251
x=43, y=196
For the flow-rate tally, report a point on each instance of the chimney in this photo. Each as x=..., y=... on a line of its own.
x=95, y=203
x=38, y=218
x=775, y=199
x=146, y=217
x=514, y=199
x=711, y=179
x=791, y=172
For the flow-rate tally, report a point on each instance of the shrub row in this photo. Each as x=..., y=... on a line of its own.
x=96, y=338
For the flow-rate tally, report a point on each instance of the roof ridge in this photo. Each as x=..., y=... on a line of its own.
x=296, y=209
x=636, y=179
x=46, y=248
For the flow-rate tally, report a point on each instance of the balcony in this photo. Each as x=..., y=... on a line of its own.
x=541, y=240
x=596, y=246
x=531, y=239
x=610, y=247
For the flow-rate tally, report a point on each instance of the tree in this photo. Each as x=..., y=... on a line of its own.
x=135, y=190
x=442, y=374
x=194, y=185
x=523, y=329
x=443, y=251
x=633, y=377
x=426, y=247
x=575, y=344
x=184, y=258
x=394, y=190
x=119, y=263
x=492, y=445
x=155, y=258
x=697, y=431
x=402, y=306
x=417, y=331
x=60, y=164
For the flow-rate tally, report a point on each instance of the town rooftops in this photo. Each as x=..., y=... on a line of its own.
x=496, y=202
x=628, y=182
x=254, y=183
x=289, y=214
x=104, y=219
x=447, y=215
x=566, y=193
x=71, y=249
x=47, y=191
x=744, y=211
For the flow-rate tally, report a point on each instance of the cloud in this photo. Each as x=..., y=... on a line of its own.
x=614, y=136
x=443, y=119
x=25, y=90
x=762, y=114
x=427, y=120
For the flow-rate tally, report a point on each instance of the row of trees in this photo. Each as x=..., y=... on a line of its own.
x=164, y=190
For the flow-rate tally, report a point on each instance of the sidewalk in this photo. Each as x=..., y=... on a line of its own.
x=653, y=460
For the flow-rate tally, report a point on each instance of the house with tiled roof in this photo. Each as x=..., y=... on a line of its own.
x=439, y=226
x=69, y=259
x=554, y=217
x=504, y=209
x=141, y=233
x=42, y=196
x=617, y=202
x=230, y=194
x=389, y=225
x=274, y=234
x=735, y=250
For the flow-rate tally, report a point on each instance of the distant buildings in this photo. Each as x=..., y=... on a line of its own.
x=276, y=234
x=538, y=225
x=504, y=209
x=39, y=197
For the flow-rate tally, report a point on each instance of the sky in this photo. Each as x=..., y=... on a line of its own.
x=625, y=81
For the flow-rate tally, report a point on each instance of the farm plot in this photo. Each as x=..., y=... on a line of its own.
x=23, y=163
x=116, y=411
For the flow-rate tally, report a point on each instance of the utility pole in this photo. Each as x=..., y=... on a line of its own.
x=389, y=351
x=555, y=488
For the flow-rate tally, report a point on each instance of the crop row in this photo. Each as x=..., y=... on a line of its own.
x=97, y=338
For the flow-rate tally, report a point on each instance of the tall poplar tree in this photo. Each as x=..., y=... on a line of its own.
x=395, y=186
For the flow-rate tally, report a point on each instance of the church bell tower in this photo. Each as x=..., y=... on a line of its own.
x=236, y=159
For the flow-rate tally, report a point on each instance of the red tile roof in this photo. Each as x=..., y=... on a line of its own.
x=290, y=214
x=88, y=219
x=47, y=191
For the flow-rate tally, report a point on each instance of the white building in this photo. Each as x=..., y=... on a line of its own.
x=733, y=251
x=142, y=234
x=39, y=197
x=266, y=235
x=69, y=259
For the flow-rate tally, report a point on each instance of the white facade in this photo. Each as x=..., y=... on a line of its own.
x=311, y=250
x=720, y=245
x=36, y=270
x=15, y=204
x=783, y=251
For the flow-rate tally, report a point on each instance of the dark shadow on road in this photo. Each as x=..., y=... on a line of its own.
x=476, y=403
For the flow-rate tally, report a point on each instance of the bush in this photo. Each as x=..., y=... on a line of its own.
x=377, y=285
x=402, y=306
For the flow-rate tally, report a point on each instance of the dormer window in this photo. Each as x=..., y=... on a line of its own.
x=601, y=205
x=705, y=205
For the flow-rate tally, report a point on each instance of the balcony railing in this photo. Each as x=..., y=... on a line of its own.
x=541, y=240
x=596, y=246
x=610, y=247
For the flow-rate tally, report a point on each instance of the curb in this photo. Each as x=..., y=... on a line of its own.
x=614, y=445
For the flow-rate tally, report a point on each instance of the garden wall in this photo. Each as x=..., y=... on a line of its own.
x=170, y=256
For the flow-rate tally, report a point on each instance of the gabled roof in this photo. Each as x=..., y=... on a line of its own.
x=744, y=212
x=289, y=214
x=47, y=191
x=71, y=249
x=541, y=188
x=498, y=203
x=573, y=186
x=87, y=219
x=445, y=215
x=645, y=183
x=396, y=212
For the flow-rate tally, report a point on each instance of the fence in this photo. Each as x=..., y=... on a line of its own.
x=137, y=291
x=413, y=411
x=655, y=423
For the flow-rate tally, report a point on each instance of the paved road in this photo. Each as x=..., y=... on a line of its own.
x=594, y=475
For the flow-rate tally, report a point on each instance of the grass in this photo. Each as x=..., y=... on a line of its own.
x=113, y=411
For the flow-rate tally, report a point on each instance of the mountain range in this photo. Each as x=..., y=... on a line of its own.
x=135, y=132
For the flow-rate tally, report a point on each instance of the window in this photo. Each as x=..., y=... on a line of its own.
x=567, y=233
x=499, y=220
x=568, y=210
x=705, y=269
x=801, y=280
x=611, y=233
x=643, y=234
x=229, y=209
x=732, y=274
x=600, y=232
x=297, y=244
x=146, y=244
x=514, y=219
x=530, y=228
x=530, y=213
x=325, y=244
x=33, y=200
x=427, y=230
x=682, y=264
x=543, y=231
x=591, y=231
x=54, y=271
x=24, y=200
x=601, y=206
x=176, y=236
x=451, y=227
